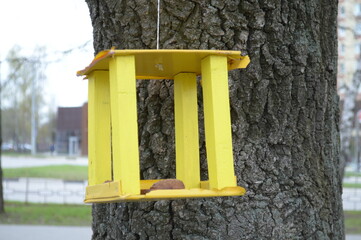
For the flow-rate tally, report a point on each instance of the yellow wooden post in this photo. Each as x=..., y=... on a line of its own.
x=186, y=129
x=99, y=155
x=217, y=122
x=124, y=123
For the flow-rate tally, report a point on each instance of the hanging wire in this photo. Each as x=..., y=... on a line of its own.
x=158, y=21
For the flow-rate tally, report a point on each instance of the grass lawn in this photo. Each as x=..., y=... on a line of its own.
x=353, y=222
x=46, y=214
x=352, y=174
x=352, y=185
x=66, y=172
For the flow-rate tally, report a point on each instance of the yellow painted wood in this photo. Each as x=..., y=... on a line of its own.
x=217, y=122
x=242, y=63
x=91, y=130
x=124, y=123
x=110, y=192
x=165, y=63
x=99, y=153
x=183, y=66
x=186, y=129
x=146, y=184
x=205, y=184
x=105, y=190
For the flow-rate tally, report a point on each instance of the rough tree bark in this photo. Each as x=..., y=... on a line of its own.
x=284, y=110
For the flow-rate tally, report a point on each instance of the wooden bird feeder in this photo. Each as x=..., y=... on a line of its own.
x=114, y=173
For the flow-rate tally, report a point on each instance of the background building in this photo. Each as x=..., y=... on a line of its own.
x=84, y=130
x=71, y=130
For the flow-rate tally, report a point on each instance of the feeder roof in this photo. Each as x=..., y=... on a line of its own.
x=164, y=63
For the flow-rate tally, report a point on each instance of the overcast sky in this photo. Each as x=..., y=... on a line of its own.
x=59, y=26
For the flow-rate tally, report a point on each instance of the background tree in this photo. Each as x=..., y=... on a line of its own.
x=284, y=110
x=17, y=95
x=15, y=99
x=348, y=119
x=47, y=129
x=2, y=208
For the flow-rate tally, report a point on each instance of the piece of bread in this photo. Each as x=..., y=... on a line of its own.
x=165, y=184
x=168, y=184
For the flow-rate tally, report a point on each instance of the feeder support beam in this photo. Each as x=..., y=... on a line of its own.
x=217, y=122
x=99, y=128
x=124, y=123
x=186, y=129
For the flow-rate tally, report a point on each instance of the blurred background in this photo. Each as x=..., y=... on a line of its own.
x=44, y=113
x=43, y=118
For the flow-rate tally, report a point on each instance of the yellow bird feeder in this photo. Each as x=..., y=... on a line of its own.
x=114, y=173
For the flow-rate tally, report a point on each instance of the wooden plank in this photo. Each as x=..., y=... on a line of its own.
x=217, y=122
x=105, y=190
x=186, y=129
x=124, y=123
x=99, y=169
x=165, y=63
x=110, y=193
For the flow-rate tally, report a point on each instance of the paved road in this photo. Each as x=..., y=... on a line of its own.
x=353, y=237
x=15, y=162
x=30, y=232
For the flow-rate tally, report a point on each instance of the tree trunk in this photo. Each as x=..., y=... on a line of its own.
x=284, y=110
